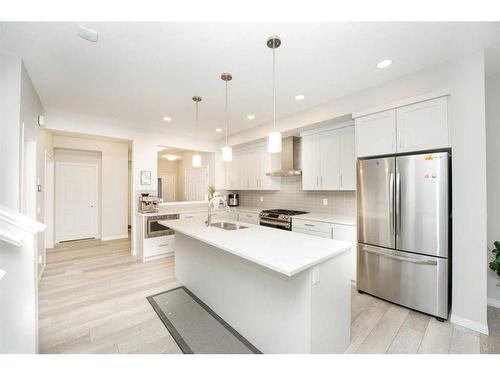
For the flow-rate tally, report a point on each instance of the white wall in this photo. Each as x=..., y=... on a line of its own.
x=493, y=168
x=10, y=98
x=31, y=108
x=85, y=157
x=114, y=181
x=465, y=78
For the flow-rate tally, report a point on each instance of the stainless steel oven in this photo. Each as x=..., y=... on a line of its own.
x=279, y=219
x=155, y=229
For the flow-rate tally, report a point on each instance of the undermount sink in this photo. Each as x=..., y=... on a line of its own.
x=227, y=226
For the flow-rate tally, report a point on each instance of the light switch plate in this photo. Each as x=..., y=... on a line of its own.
x=261, y=198
x=325, y=202
x=40, y=259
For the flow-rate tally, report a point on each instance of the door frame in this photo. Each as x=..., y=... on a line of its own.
x=56, y=200
x=49, y=192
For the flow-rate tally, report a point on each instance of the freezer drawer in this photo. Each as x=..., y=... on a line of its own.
x=416, y=281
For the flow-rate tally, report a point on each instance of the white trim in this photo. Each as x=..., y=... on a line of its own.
x=475, y=326
x=11, y=239
x=41, y=272
x=46, y=208
x=401, y=103
x=494, y=302
x=326, y=128
x=20, y=221
x=111, y=238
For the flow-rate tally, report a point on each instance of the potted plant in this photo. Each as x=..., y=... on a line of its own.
x=495, y=263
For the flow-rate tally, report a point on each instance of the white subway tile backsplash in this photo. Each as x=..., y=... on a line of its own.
x=291, y=196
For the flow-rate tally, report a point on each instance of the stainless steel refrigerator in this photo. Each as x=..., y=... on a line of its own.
x=404, y=224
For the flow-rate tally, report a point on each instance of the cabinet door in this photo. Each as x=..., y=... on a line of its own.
x=376, y=134
x=423, y=126
x=310, y=162
x=329, y=178
x=347, y=159
x=347, y=233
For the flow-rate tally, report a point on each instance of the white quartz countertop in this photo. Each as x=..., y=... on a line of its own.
x=327, y=218
x=282, y=251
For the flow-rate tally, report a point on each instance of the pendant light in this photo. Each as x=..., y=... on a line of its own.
x=274, y=137
x=196, y=159
x=227, y=152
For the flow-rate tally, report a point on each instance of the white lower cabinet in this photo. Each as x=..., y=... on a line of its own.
x=323, y=229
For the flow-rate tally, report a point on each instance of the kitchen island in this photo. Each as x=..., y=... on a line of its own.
x=285, y=292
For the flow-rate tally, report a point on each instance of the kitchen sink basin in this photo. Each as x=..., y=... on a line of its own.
x=227, y=226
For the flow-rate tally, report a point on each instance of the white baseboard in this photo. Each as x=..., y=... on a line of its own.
x=41, y=273
x=494, y=302
x=119, y=237
x=475, y=326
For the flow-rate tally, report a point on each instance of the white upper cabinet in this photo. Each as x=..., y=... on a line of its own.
x=423, y=126
x=247, y=170
x=310, y=162
x=376, y=134
x=347, y=161
x=328, y=160
x=413, y=127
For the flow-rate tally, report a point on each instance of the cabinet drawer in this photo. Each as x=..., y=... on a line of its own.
x=248, y=217
x=311, y=225
x=312, y=232
x=191, y=215
x=158, y=245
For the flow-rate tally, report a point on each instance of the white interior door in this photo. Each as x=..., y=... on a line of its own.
x=76, y=201
x=196, y=184
x=168, y=181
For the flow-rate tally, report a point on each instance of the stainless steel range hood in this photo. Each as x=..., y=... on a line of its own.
x=290, y=158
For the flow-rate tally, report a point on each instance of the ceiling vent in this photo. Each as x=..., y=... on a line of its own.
x=87, y=34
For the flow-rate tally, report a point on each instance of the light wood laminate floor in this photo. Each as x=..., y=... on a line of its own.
x=92, y=299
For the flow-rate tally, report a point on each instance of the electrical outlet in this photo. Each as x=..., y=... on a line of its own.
x=261, y=198
x=325, y=202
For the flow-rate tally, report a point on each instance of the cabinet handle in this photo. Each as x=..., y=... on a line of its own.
x=188, y=217
x=309, y=225
x=317, y=180
x=321, y=179
x=341, y=183
x=392, y=141
x=333, y=233
x=399, y=138
x=163, y=245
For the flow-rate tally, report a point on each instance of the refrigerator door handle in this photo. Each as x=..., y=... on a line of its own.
x=391, y=202
x=398, y=203
x=402, y=258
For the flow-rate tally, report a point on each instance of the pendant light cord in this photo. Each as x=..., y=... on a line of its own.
x=197, y=130
x=274, y=88
x=227, y=121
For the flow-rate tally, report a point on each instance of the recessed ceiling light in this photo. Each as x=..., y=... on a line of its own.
x=250, y=117
x=218, y=130
x=384, y=64
x=299, y=97
x=87, y=34
x=167, y=119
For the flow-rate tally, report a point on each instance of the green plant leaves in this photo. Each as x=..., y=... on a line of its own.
x=495, y=264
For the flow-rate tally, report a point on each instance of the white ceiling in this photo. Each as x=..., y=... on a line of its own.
x=138, y=73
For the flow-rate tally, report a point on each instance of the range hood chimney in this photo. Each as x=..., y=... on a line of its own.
x=290, y=158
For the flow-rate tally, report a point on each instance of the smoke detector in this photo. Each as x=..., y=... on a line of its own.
x=87, y=34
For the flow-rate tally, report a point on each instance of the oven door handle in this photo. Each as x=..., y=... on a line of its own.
x=275, y=223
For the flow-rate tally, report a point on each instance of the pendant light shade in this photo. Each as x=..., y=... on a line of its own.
x=227, y=151
x=196, y=159
x=274, y=137
x=274, y=142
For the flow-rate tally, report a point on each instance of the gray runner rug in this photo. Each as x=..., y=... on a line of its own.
x=195, y=327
